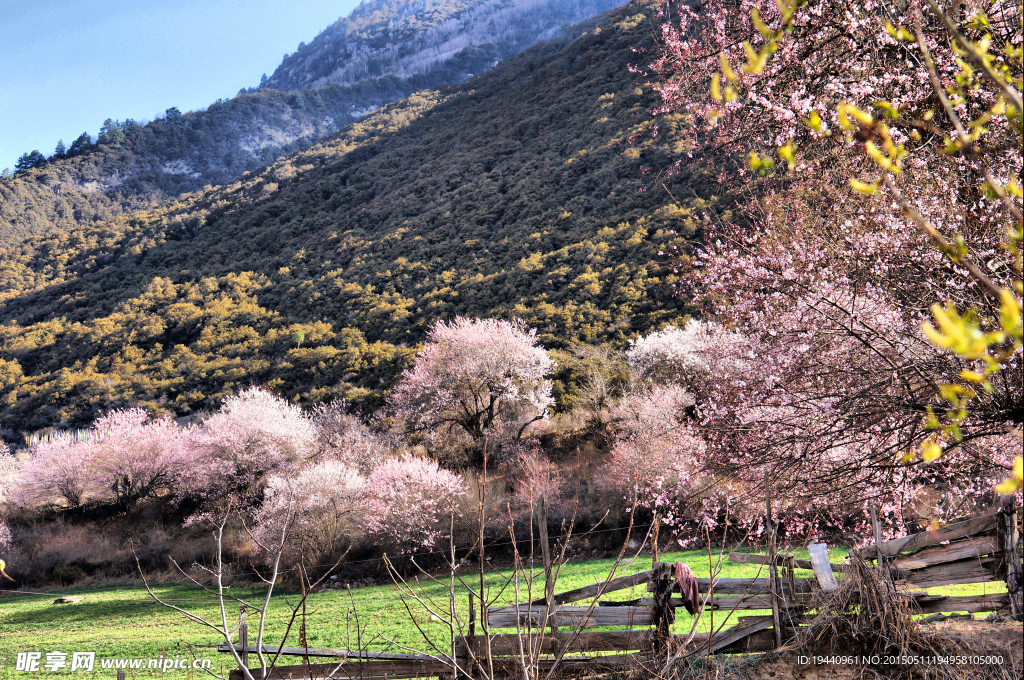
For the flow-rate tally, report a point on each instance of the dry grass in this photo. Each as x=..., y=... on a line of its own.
x=867, y=617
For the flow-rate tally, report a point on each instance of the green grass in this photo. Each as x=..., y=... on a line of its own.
x=123, y=621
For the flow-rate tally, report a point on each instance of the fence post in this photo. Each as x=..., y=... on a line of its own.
x=773, y=572
x=545, y=549
x=654, y=539
x=878, y=536
x=1014, y=577
x=464, y=658
x=120, y=675
x=243, y=642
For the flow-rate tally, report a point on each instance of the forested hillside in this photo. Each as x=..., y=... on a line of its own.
x=131, y=166
x=449, y=39
x=520, y=193
x=382, y=53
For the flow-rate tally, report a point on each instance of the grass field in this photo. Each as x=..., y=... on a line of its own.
x=122, y=621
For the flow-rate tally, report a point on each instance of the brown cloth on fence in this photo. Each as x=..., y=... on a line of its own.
x=687, y=586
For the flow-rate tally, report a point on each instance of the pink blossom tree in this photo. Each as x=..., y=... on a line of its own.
x=342, y=437
x=834, y=279
x=57, y=472
x=123, y=459
x=252, y=435
x=408, y=502
x=681, y=355
x=9, y=469
x=138, y=458
x=531, y=475
x=320, y=505
x=475, y=374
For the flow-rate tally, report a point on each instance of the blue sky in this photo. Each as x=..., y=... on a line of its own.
x=67, y=65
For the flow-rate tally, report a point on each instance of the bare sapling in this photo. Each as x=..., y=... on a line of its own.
x=531, y=652
x=273, y=547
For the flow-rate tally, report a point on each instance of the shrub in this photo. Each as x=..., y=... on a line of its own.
x=68, y=574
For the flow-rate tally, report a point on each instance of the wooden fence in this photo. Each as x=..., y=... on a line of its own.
x=557, y=629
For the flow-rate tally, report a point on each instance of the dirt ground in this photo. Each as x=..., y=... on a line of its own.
x=994, y=650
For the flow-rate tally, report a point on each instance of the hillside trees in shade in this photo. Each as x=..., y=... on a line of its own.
x=517, y=195
x=178, y=154
x=29, y=161
x=111, y=133
x=475, y=374
x=133, y=167
x=833, y=285
x=82, y=143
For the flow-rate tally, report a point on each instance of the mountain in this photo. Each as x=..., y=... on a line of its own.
x=177, y=154
x=411, y=37
x=383, y=52
x=522, y=192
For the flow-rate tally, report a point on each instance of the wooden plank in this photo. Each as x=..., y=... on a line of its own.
x=748, y=558
x=361, y=669
x=749, y=586
x=722, y=602
x=752, y=602
x=339, y=653
x=973, y=570
x=588, y=592
x=940, y=554
x=572, y=664
x=969, y=527
x=584, y=642
x=616, y=615
x=729, y=636
x=752, y=558
x=821, y=566
x=761, y=641
x=532, y=617
x=966, y=603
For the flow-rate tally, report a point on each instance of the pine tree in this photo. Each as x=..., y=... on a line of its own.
x=111, y=134
x=61, y=151
x=30, y=160
x=173, y=116
x=80, y=145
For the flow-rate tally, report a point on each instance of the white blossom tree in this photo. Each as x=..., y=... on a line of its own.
x=475, y=374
